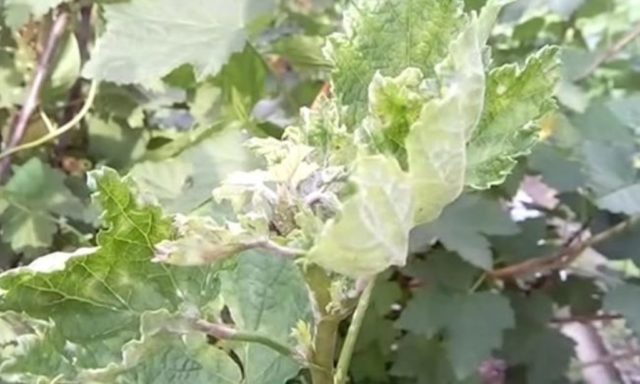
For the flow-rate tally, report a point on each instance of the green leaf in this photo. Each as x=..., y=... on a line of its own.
x=612, y=176
x=545, y=352
x=608, y=166
x=11, y=84
x=627, y=111
x=624, y=200
x=624, y=246
x=96, y=297
x=304, y=53
x=517, y=97
x=147, y=39
x=183, y=183
x=529, y=243
x=623, y=299
x=463, y=225
x=34, y=197
x=473, y=324
x=581, y=295
x=243, y=80
x=66, y=66
x=114, y=142
x=372, y=231
x=598, y=115
x=558, y=170
x=166, y=352
x=423, y=359
x=265, y=294
x=444, y=270
x=378, y=41
x=18, y=12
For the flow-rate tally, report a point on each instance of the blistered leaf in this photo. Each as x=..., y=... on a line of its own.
x=96, y=298
x=474, y=324
x=32, y=351
x=145, y=39
x=168, y=351
x=247, y=191
x=293, y=168
x=376, y=40
x=372, y=230
x=201, y=241
x=394, y=106
x=265, y=294
x=517, y=97
x=34, y=197
x=436, y=142
x=323, y=129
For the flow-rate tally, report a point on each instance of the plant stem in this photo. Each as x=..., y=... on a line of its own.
x=344, y=361
x=586, y=319
x=478, y=283
x=33, y=95
x=322, y=353
x=225, y=332
x=616, y=48
x=324, y=350
x=612, y=359
x=58, y=131
x=565, y=256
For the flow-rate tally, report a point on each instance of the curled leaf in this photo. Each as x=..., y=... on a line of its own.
x=372, y=231
x=201, y=241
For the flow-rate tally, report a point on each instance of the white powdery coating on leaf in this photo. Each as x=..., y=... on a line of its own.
x=54, y=262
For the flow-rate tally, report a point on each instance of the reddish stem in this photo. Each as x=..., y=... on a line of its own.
x=33, y=96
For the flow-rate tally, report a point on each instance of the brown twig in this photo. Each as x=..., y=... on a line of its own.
x=611, y=52
x=30, y=105
x=586, y=319
x=611, y=359
x=564, y=257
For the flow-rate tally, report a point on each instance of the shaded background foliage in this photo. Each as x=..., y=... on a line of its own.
x=561, y=301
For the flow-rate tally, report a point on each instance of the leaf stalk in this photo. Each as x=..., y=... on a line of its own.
x=344, y=361
x=225, y=332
